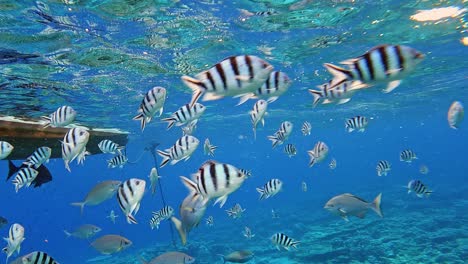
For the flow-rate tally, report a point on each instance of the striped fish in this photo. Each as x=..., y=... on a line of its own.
x=152, y=103
x=266, y=13
x=117, y=161
x=39, y=156
x=318, y=153
x=38, y=257
x=455, y=114
x=248, y=233
x=74, y=146
x=332, y=164
x=384, y=63
x=304, y=186
x=129, y=196
x=247, y=173
x=236, y=211
x=63, y=116
x=14, y=240
x=408, y=155
x=165, y=213
x=419, y=188
x=383, y=167
x=182, y=149
x=215, y=180
x=5, y=149
x=232, y=76
x=184, y=115
x=306, y=128
x=24, y=177
x=276, y=84
x=282, y=134
x=257, y=114
x=340, y=93
x=282, y=240
x=423, y=169
x=210, y=221
x=108, y=146
x=270, y=189
x=290, y=149
x=208, y=148
x=358, y=123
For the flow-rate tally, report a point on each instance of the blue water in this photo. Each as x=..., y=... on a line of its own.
x=107, y=73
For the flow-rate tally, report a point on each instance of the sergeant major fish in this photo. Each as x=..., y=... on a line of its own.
x=152, y=102
x=282, y=134
x=290, y=149
x=24, y=177
x=165, y=213
x=184, y=115
x=318, y=153
x=208, y=148
x=38, y=257
x=384, y=63
x=74, y=146
x=271, y=188
x=117, y=161
x=282, y=240
x=340, y=93
x=332, y=164
x=108, y=146
x=358, y=123
x=306, y=128
x=39, y=156
x=258, y=114
x=62, y=117
x=419, y=188
x=383, y=167
x=182, y=149
x=276, y=84
x=408, y=155
x=455, y=114
x=129, y=196
x=348, y=204
x=232, y=76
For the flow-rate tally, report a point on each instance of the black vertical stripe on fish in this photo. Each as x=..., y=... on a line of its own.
x=212, y=81
x=183, y=112
x=120, y=200
x=226, y=171
x=248, y=62
x=358, y=69
x=130, y=188
x=370, y=65
x=235, y=69
x=401, y=59
x=384, y=57
x=203, y=180
x=277, y=79
x=221, y=74
x=213, y=175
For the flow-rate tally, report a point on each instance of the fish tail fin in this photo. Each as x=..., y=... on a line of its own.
x=191, y=186
x=244, y=98
x=48, y=120
x=119, y=149
x=178, y=225
x=376, y=205
x=222, y=256
x=295, y=243
x=262, y=193
x=197, y=87
x=81, y=205
x=12, y=169
x=274, y=140
x=141, y=117
x=339, y=74
x=68, y=234
x=67, y=165
x=131, y=219
x=171, y=121
x=166, y=157
x=428, y=193
x=317, y=96
x=221, y=200
x=312, y=158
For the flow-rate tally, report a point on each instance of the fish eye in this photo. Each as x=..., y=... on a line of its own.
x=81, y=133
x=137, y=182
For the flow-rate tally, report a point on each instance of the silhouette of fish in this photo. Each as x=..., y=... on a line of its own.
x=42, y=177
x=3, y=221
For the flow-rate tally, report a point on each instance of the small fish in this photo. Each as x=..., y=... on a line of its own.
x=84, y=232
x=276, y=84
x=304, y=186
x=348, y=204
x=112, y=216
x=99, y=193
x=423, y=169
x=190, y=128
x=340, y=93
x=332, y=164
x=248, y=233
x=274, y=214
x=408, y=155
x=3, y=221
x=165, y=213
x=419, y=188
x=108, y=146
x=14, y=240
x=110, y=244
x=38, y=257
x=290, y=149
x=306, y=128
x=5, y=149
x=247, y=173
x=215, y=180
x=39, y=156
x=42, y=177
x=236, y=75
x=280, y=239
x=282, y=134
x=455, y=114
x=182, y=149
x=62, y=117
x=384, y=63
x=152, y=103
x=171, y=258
x=210, y=221
x=235, y=212
x=358, y=123
x=258, y=114
x=74, y=146
x=241, y=256
x=270, y=189
x=185, y=115
x=266, y=13
x=24, y=177
x=383, y=167
x=117, y=161
x=154, y=178
x=129, y=196
x=318, y=153
x=208, y=148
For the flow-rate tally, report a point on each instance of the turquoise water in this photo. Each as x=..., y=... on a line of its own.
x=101, y=57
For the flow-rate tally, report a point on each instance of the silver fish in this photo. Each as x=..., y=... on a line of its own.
x=318, y=153
x=171, y=258
x=235, y=75
x=282, y=134
x=210, y=221
x=332, y=164
x=14, y=240
x=241, y=256
x=290, y=149
x=24, y=177
x=74, y=146
x=348, y=204
x=191, y=212
x=84, y=232
x=117, y=161
x=154, y=178
x=419, y=188
x=408, y=155
x=306, y=128
x=152, y=103
x=280, y=239
x=383, y=167
x=384, y=63
x=62, y=117
x=165, y=213
x=257, y=114
x=455, y=114
x=108, y=146
x=358, y=123
x=340, y=93
x=110, y=244
x=5, y=149
x=184, y=115
x=208, y=148
x=276, y=84
x=248, y=233
x=99, y=193
x=38, y=257
x=112, y=216
x=182, y=149
x=271, y=188
x=39, y=156
x=129, y=196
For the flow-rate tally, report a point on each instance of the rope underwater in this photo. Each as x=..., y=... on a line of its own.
x=152, y=149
